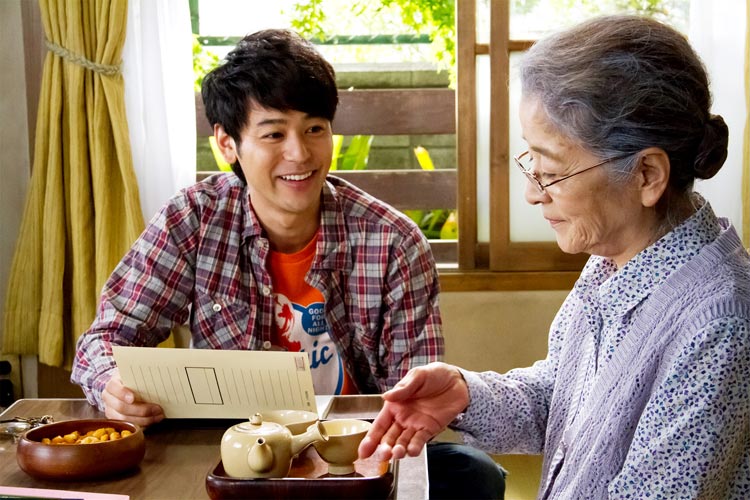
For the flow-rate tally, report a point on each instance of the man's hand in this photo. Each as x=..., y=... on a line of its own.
x=419, y=407
x=120, y=403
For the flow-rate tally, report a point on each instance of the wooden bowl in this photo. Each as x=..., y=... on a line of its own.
x=73, y=462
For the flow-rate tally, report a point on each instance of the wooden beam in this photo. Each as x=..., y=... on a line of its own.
x=396, y=112
x=202, y=127
x=466, y=136
x=379, y=112
x=479, y=281
x=406, y=189
x=499, y=138
x=402, y=189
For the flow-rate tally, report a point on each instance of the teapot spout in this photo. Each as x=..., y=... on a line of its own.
x=316, y=432
x=260, y=456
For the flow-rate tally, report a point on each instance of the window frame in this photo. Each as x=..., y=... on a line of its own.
x=500, y=264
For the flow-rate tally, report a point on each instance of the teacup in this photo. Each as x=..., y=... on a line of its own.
x=297, y=421
x=341, y=449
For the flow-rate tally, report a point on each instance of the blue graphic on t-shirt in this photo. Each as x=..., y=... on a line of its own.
x=309, y=328
x=313, y=318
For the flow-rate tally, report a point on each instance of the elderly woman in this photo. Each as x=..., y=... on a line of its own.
x=644, y=392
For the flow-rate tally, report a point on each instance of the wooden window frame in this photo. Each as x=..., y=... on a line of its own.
x=500, y=264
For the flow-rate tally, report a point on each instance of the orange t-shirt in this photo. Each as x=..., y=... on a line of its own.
x=301, y=325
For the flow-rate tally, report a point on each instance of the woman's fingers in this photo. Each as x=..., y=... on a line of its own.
x=404, y=439
x=406, y=387
x=396, y=441
x=410, y=442
x=417, y=442
x=368, y=446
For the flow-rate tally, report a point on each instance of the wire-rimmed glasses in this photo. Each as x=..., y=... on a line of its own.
x=532, y=177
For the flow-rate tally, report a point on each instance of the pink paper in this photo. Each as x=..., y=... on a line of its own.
x=42, y=493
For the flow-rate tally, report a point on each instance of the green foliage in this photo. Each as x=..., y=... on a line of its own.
x=308, y=19
x=435, y=18
x=436, y=224
x=320, y=19
x=548, y=15
x=203, y=61
x=356, y=155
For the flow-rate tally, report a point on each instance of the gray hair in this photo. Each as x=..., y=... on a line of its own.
x=620, y=84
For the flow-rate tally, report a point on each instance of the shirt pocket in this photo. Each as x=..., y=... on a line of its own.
x=219, y=322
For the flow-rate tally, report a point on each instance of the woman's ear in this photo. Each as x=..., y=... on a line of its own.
x=653, y=175
x=226, y=144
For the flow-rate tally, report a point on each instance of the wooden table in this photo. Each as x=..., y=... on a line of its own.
x=179, y=454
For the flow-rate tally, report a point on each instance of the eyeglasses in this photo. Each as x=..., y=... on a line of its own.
x=532, y=177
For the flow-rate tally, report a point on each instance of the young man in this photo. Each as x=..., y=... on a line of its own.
x=277, y=256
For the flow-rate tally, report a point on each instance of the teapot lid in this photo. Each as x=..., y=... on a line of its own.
x=256, y=425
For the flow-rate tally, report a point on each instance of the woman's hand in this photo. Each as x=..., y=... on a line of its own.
x=120, y=403
x=419, y=407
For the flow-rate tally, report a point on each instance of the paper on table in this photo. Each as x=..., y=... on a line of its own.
x=208, y=383
x=12, y=492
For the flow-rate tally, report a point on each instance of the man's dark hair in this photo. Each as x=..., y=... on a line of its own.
x=275, y=69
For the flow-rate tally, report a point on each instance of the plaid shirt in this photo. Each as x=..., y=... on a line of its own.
x=202, y=259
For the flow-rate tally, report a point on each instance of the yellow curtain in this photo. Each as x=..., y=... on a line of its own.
x=746, y=137
x=82, y=210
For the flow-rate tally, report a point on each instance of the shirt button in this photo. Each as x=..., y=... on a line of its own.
x=216, y=307
x=266, y=290
x=267, y=345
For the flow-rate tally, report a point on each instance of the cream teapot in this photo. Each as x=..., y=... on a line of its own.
x=257, y=449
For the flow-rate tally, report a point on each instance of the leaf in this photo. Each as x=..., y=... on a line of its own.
x=415, y=215
x=338, y=140
x=423, y=158
x=218, y=157
x=357, y=154
x=449, y=231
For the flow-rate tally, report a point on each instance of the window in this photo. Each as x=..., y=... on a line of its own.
x=502, y=243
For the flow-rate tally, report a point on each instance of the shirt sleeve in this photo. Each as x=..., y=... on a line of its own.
x=693, y=438
x=412, y=329
x=146, y=295
x=508, y=413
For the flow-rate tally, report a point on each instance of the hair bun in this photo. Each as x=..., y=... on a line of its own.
x=712, y=151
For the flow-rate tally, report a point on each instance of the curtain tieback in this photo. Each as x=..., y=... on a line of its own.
x=104, y=69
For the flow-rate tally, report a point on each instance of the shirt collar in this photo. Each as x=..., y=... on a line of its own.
x=252, y=227
x=333, y=249
x=333, y=245
x=622, y=290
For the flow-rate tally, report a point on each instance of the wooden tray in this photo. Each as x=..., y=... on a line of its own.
x=365, y=407
x=309, y=478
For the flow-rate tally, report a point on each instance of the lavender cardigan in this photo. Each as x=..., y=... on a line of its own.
x=652, y=401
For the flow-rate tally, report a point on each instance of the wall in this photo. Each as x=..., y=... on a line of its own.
x=497, y=330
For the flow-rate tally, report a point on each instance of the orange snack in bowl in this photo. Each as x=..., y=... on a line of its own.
x=96, y=436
